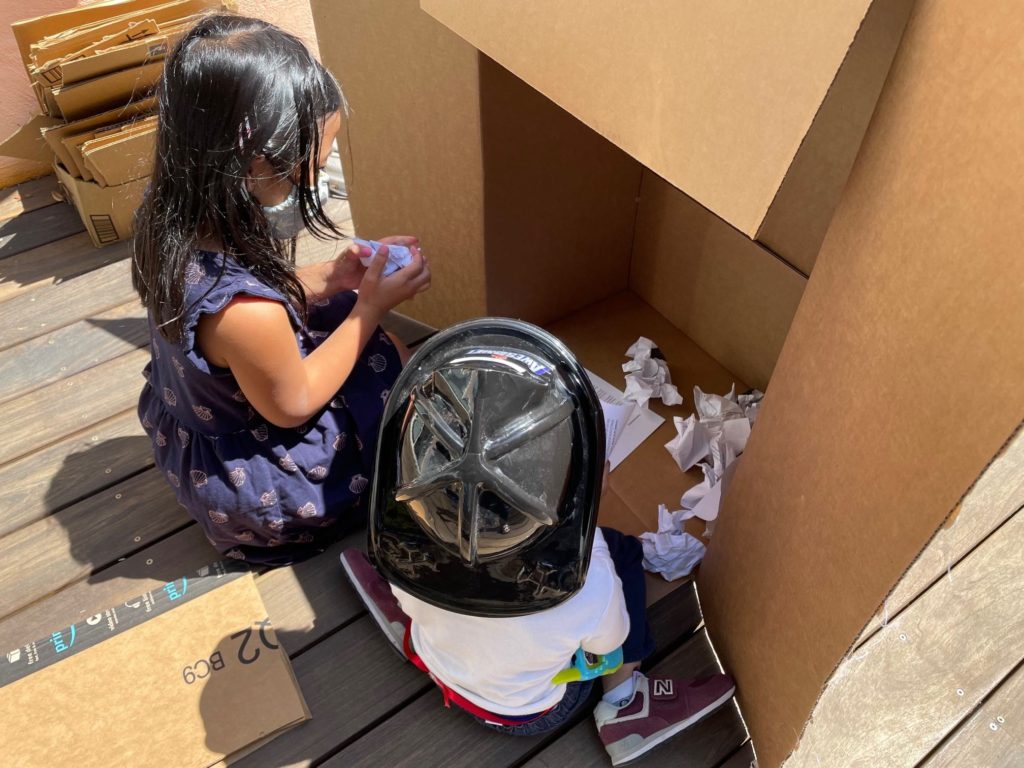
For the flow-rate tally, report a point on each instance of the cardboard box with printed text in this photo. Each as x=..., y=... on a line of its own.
x=192, y=670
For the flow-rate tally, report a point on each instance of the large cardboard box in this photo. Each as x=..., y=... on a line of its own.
x=873, y=429
x=912, y=314
x=187, y=675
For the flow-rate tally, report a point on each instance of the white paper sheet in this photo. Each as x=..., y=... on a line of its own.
x=628, y=423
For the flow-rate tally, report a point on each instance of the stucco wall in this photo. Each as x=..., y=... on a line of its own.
x=19, y=105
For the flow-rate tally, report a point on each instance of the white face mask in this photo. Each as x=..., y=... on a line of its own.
x=285, y=218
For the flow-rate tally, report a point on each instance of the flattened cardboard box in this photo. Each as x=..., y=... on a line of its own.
x=30, y=31
x=122, y=156
x=108, y=213
x=192, y=671
x=55, y=135
x=79, y=100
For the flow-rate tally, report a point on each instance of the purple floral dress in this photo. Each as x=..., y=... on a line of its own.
x=262, y=493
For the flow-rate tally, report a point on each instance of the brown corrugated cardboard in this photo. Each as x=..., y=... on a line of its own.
x=798, y=218
x=900, y=378
x=108, y=91
x=908, y=318
x=124, y=156
x=721, y=112
x=33, y=31
x=723, y=290
x=107, y=212
x=164, y=678
x=50, y=53
x=55, y=135
x=109, y=60
x=487, y=167
x=29, y=31
x=73, y=148
x=47, y=104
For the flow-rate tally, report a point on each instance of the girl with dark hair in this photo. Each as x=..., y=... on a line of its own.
x=267, y=381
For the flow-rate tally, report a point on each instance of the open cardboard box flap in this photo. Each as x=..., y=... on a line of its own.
x=898, y=383
x=754, y=110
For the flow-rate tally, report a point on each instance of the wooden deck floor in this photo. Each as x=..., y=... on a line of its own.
x=87, y=522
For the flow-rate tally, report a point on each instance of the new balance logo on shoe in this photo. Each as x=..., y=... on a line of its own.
x=663, y=688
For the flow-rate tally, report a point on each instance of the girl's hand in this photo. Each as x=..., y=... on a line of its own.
x=406, y=240
x=346, y=271
x=382, y=294
x=324, y=279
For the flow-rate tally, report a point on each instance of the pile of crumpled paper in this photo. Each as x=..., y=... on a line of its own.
x=712, y=438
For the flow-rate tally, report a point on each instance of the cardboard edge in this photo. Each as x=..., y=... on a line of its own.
x=809, y=127
x=882, y=15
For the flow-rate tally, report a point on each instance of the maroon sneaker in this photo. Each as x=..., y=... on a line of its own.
x=375, y=592
x=660, y=708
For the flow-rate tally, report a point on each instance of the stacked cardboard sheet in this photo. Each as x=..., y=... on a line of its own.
x=94, y=69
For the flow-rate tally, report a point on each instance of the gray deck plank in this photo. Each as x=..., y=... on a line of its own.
x=46, y=415
x=51, y=553
x=54, y=263
x=44, y=309
x=34, y=228
x=67, y=471
x=28, y=196
x=72, y=349
x=992, y=736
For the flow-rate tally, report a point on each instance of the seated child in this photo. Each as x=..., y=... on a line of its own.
x=267, y=381
x=490, y=570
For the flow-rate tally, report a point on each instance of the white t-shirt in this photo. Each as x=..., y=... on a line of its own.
x=505, y=665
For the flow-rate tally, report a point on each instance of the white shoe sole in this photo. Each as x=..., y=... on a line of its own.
x=637, y=748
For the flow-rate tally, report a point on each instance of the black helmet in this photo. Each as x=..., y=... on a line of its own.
x=488, y=471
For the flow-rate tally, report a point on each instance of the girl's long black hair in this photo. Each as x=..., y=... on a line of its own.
x=233, y=89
